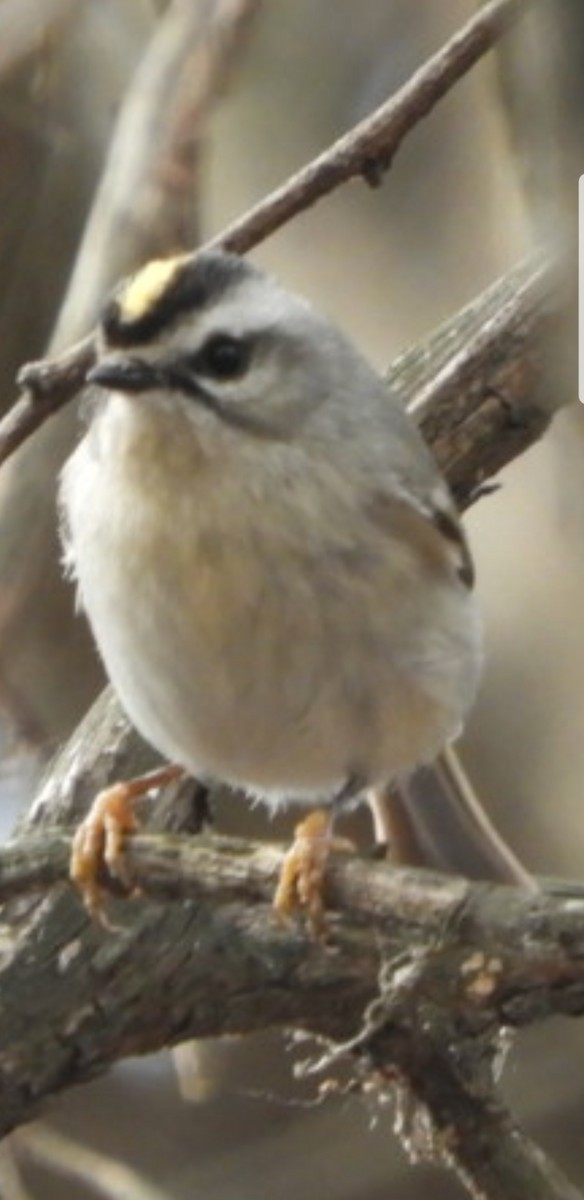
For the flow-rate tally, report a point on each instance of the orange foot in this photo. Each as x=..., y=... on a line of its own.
x=301, y=883
x=99, y=840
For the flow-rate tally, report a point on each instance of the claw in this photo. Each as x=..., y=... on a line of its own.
x=99, y=840
x=302, y=877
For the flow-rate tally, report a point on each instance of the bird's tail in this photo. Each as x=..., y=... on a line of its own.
x=436, y=820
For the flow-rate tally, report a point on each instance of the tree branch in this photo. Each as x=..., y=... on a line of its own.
x=436, y=964
x=479, y=386
x=370, y=147
x=88, y=1168
x=467, y=929
x=456, y=1117
x=367, y=150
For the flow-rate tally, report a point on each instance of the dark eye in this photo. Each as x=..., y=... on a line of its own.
x=223, y=357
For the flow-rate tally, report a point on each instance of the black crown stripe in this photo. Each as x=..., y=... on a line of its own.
x=193, y=287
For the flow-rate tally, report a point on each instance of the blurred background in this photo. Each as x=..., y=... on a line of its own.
x=489, y=175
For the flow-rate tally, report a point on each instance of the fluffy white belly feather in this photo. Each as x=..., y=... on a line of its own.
x=237, y=669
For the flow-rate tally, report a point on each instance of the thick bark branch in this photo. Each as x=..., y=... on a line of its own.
x=468, y=929
x=419, y=971
x=478, y=386
x=471, y=1130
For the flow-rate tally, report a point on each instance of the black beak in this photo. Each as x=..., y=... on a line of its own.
x=125, y=375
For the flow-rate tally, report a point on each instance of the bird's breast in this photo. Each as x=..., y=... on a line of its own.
x=261, y=642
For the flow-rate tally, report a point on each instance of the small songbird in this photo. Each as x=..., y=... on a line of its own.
x=271, y=563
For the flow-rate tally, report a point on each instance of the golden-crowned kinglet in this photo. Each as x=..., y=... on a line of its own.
x=271, y=563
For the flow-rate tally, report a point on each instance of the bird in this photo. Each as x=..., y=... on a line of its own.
x=273, y=567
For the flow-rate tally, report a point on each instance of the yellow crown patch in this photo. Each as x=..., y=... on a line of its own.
x=145, y=289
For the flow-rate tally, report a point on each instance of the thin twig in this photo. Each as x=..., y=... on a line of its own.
x=370, y=147
x=366, y=150
x=44, y=392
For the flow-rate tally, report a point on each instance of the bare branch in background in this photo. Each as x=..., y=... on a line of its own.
x=366, y=150
x=370, y=147
x=11, y=1184
x=25, y=25
x=146, y=203
x=102, y=1175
